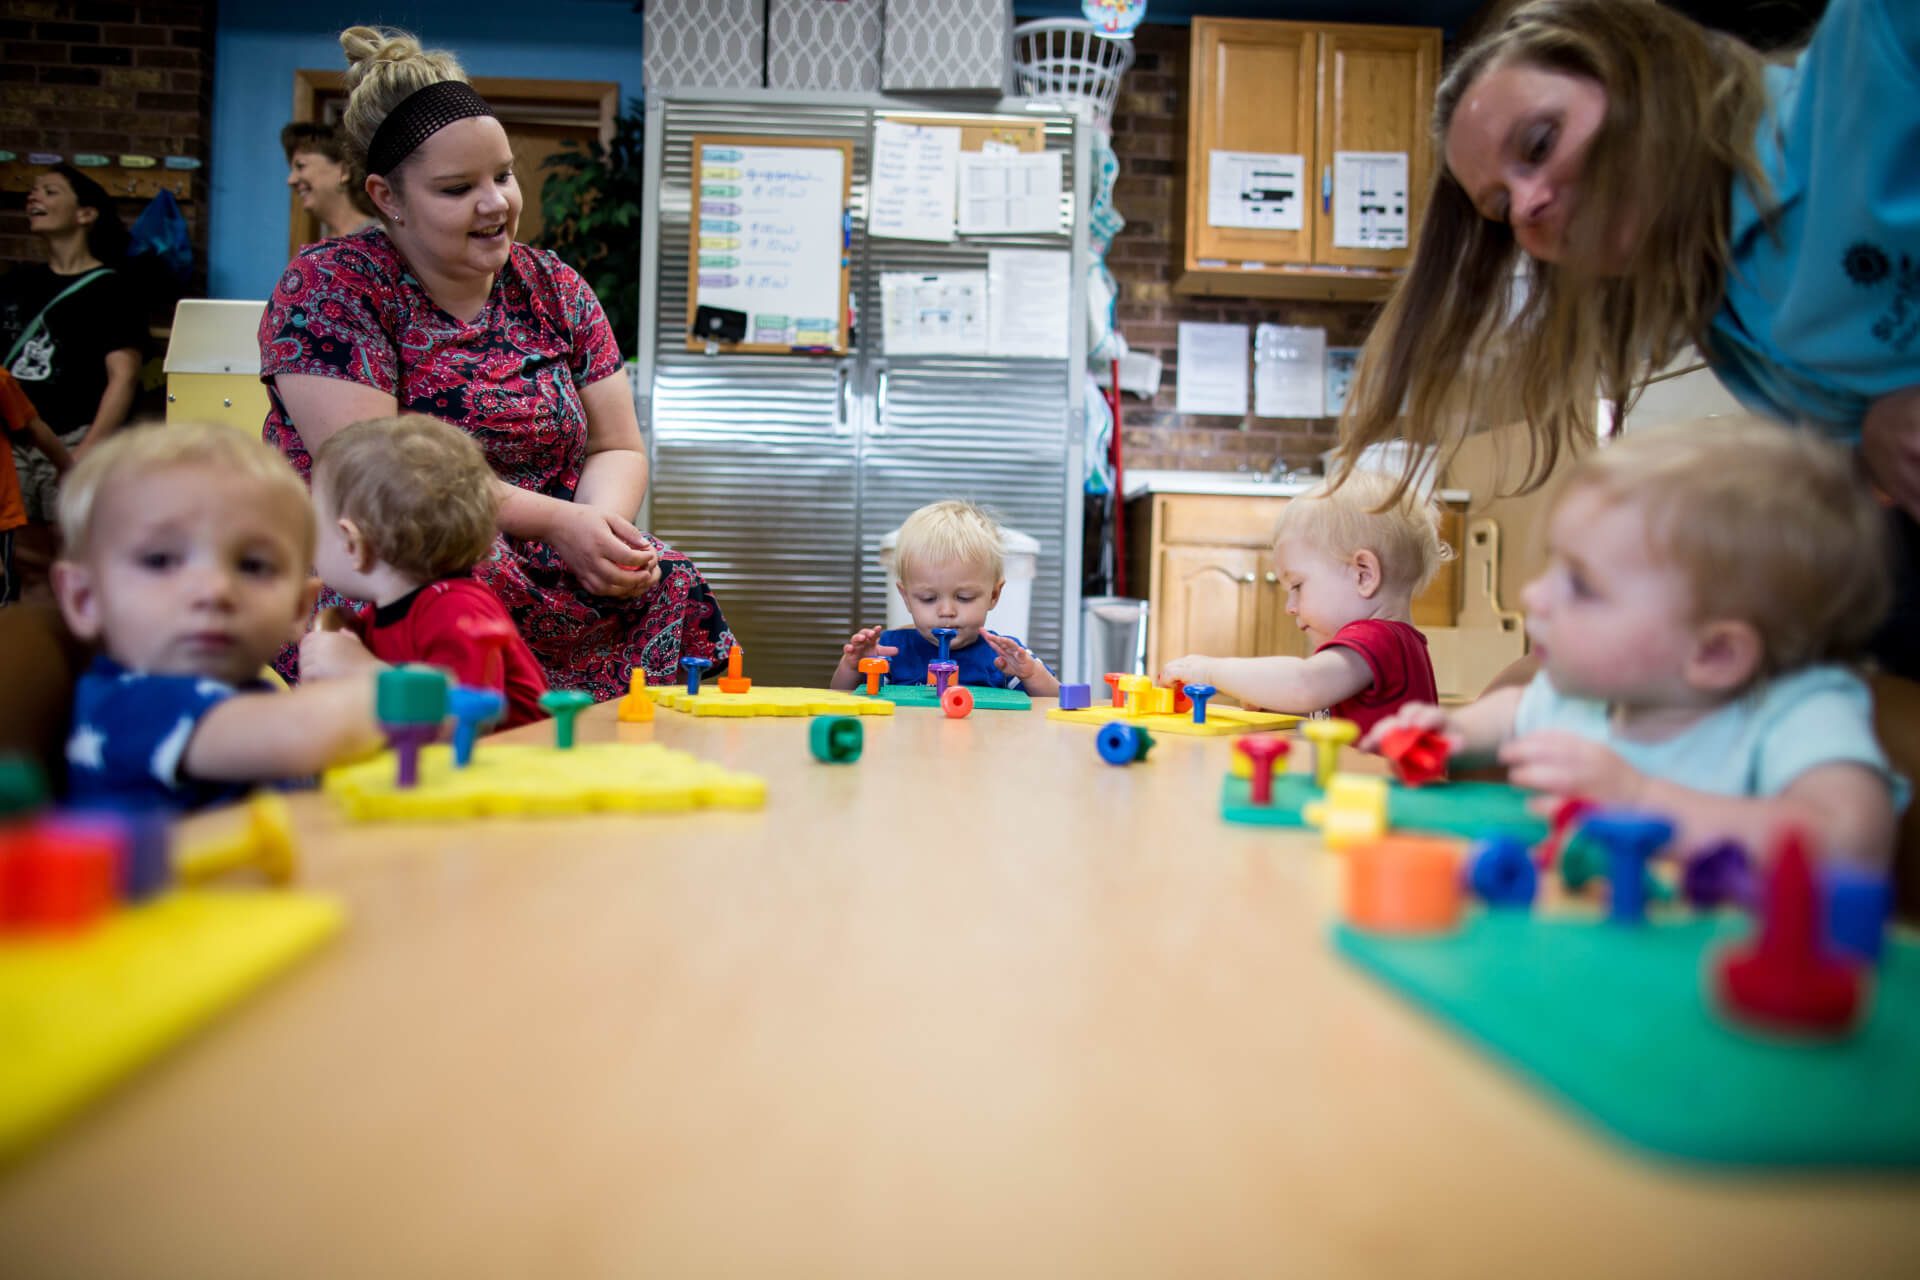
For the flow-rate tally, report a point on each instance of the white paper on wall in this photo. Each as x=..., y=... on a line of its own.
x=1211, y=375
x=1028, y=291
x=1370, y=199
x=1340, y=362
x=942, y=314
x=915, y=168
x=1256, y=189
x=1004, y=193
x=1289, y=366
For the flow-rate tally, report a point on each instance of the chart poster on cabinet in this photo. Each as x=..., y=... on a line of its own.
x=1256, y=189
x=1370, y=199
x=940, y=314
x=1027, y=311
x=1009, y=193
x=912, y=187
x=770, y=242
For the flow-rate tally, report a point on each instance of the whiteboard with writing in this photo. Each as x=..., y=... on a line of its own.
x=770, y=240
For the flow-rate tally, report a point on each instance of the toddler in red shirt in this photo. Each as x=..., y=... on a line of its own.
x=406, y=508
x=1352, y=558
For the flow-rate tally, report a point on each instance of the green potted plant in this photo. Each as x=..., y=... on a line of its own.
x=591, y=204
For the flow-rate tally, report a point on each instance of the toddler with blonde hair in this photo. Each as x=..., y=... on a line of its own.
x=948, y=569
x=1352, y=553
x=407, y=509
x=185, y=561
x=1704, y=583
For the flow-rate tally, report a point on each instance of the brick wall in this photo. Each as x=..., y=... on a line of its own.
x=111, y=77
x=1150, y=139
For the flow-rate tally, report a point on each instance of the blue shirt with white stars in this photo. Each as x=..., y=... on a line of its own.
x=916, y=651
x=130, y=735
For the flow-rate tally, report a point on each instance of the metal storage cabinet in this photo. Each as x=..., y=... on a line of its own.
x=780, y=474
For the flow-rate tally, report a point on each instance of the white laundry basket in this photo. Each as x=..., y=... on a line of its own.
x=1020, y=557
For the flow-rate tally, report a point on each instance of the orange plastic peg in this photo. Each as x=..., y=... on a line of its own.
x=733, y=681
x=873, y=669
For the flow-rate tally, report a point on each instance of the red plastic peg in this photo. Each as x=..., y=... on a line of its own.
x=734, y=681
x=957, y=702
x=491, y=636
x=1181, y=702
x=1418, y=756
x=1560, y=828
x=58, y=879
x=1113, y=679
x=1787, y=980
x=1262, y=751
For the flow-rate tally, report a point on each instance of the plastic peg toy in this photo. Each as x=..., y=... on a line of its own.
x=873, y=669
x=1629, y=841
x=23, y=788
x=1418, y=756
x=836, y=739
x=1566, y=819
x=58, y=877
x=1327, y=737
x=491, y=636
x=1581, y=862
x=734, y=681
x=1136, y=695
x=636, y=705
x=1404, y=884
x=1076, y=697
x=264, y=841
x=1263, y=751
x=1786, y=980
x=1718, y=876
x=565, y=706
x=147, y=868
x=1857, y=908
x=474, y=712
x=1501, y=872
x=410, y=701
x=694, y=667
x=1120, y=743
x=1352, y=810
x=1198, y=696
x=944, y=636
x=1182, y=701
x=957, y=702
x=941, y=673
x=1113, y=679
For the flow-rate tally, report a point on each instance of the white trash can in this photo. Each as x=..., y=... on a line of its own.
x=1020, y=557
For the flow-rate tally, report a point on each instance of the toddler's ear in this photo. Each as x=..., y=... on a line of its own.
x=1365, y=568
x=73, y=585
x=998, y=587
x=1726, y=656
x=303, y=614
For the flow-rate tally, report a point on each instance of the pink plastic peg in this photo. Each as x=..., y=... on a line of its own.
x=1262, y=751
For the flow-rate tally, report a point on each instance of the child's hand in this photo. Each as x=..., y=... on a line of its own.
x=1565, y=764
x=1019, y=662
x=1192, y=669
x=325, y=655
x=865, y=643
x=1413, y=715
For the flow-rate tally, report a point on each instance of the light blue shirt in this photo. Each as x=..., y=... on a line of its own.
x=1822, y=314
x=1756, y=745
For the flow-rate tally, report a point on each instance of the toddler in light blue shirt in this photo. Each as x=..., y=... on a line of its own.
x=1704, y=582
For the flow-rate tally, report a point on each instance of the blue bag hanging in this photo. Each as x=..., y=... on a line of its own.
x=161, y=231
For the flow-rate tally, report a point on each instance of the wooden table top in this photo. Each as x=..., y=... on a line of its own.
x=978, y=1004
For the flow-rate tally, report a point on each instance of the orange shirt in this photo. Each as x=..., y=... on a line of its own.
x=16, y=411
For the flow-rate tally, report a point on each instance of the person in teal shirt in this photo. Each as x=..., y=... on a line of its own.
x=1619, y=184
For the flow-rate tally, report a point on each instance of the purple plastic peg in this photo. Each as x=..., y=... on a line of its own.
x=1718, y=876
x=1200, y=693
x=944, y=673
x=1076, y=697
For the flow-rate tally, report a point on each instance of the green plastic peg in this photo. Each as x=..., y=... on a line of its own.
x=564, y=705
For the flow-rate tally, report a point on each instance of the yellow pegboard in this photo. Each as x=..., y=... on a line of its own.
x=595, y=777
x=1222, y=722
x=774, y=701
x=79, y=1012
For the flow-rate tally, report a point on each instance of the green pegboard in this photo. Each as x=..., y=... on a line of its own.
x=1618, y=1023
x=985, y=697
x=1468, y=809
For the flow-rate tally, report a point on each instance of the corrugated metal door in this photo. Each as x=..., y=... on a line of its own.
x=754, y=456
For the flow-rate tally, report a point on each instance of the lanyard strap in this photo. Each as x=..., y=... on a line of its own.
x=26, y=334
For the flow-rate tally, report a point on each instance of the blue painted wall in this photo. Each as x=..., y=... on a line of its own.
x=261, y=43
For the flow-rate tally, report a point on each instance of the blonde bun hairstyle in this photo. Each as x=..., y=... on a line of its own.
x=384, y=67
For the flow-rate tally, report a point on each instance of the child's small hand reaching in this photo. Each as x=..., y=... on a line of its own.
x=864, y=643
x=1192, y=669
x=325, y=655
x=1565, y=764
x=1415, y=715
x=1019, y=662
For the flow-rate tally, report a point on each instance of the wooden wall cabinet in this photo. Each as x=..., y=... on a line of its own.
x=1207, y=562
x=1311, y=90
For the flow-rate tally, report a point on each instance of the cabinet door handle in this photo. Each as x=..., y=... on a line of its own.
x=1326, y=189
x=1272, y=578
x=1248, y=578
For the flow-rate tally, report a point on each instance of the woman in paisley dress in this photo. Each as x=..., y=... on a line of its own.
x=436, y=310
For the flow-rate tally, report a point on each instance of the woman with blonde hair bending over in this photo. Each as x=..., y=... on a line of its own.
x=436, y=310
x=1659, y=185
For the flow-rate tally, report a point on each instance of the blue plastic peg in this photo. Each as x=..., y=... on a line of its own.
x=1502, y=873
x=1630, y=841
x=695, y=668
x=944, y=637
x=474, y=712
x=1200, y=693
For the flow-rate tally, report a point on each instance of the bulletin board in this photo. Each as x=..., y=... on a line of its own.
x=977, y=131
x=770, y=236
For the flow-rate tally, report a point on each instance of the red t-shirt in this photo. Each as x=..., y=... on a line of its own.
x=1396, y=653
x=436, y=625
x=16, y=411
